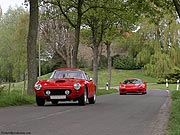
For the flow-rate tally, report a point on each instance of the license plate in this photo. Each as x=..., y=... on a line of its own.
x=58, y=97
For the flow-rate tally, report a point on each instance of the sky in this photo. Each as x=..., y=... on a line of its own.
x=13, y=3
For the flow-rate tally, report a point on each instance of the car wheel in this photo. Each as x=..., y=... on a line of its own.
x=54, y=102
x=122, y=93
x=83, y=99
x=144, y=93
x=92, y=100
x=40, y=101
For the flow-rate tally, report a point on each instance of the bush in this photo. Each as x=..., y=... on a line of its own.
x=1, y=89
x=82, y=63
x=172, y=77
x=124, y=62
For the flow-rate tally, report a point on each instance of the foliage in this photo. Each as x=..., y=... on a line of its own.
x=172, y=77
x=124, y=62
x=129, y=43
x=13, y=33
x=46, y=67
x=159, y=53
x=82, y=63
x=2, y=89
x=160, y=64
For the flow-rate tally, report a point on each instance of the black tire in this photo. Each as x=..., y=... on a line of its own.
x=122, y=93
x=54, y=102
x=92, y=100
x=144, y=93
x=83, y=99
x=40, y=101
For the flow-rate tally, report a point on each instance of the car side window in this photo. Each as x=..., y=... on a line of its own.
x=138, y=81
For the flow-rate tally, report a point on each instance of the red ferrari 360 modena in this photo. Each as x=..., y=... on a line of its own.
x=66, y=84
x=132, y=85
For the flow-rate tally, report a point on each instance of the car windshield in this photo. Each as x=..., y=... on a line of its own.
x=67, y=74
x=133, y=81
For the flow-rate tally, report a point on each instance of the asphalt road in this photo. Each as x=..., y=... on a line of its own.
x=112, y=114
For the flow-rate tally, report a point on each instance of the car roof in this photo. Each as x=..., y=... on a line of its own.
x=68, y=69
x=133, y=79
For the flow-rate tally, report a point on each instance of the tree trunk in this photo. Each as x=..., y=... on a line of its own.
x=75, y=47
x=24, y=85
x=95, y=64
x=77, y=34
x=177, y=6
x=68, y=60
x=109, y=64
x=31, y=46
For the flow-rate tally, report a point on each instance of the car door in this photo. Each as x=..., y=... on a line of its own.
x=90, y=85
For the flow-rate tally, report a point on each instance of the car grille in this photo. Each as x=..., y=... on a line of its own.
x=57, y=91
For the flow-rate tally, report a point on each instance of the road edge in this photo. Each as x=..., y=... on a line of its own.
x=160, y=124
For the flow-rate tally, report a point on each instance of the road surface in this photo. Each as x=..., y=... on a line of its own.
x=112, y=114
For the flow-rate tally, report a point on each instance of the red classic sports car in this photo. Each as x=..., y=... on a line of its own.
x=132, y=85
x=66, y=84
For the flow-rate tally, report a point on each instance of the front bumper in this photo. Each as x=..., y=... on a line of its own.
x=59, y=94
x=130, y=90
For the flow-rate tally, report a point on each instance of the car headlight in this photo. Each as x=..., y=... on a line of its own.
x=140, y=86
x=77, y=86
x=37, y=86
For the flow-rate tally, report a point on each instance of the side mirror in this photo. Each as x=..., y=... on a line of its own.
x=145, y=83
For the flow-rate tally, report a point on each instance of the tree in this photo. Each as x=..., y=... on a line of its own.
x=95, y=22
x=0, y=11
x=177, y=6
x=163, y=51
x=106, y=15
x=31, y=45
x=57, y=34
x=110, y=34
x=20, y=50
x=73, y=12
x=13, y=34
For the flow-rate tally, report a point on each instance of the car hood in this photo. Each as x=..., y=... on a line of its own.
x=61, y=82
x=132, y=85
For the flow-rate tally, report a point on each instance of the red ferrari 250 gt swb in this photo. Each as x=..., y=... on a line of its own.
x=132, y=85
x=66, y=84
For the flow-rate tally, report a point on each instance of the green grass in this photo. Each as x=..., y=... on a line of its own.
x=174, y=121
x=161, y=86
x=119, y=76
x=15, y=100
x=103, y=91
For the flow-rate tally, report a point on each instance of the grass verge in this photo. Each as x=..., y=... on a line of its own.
x=174, y=121
x=103, y=91
x=16, y=99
